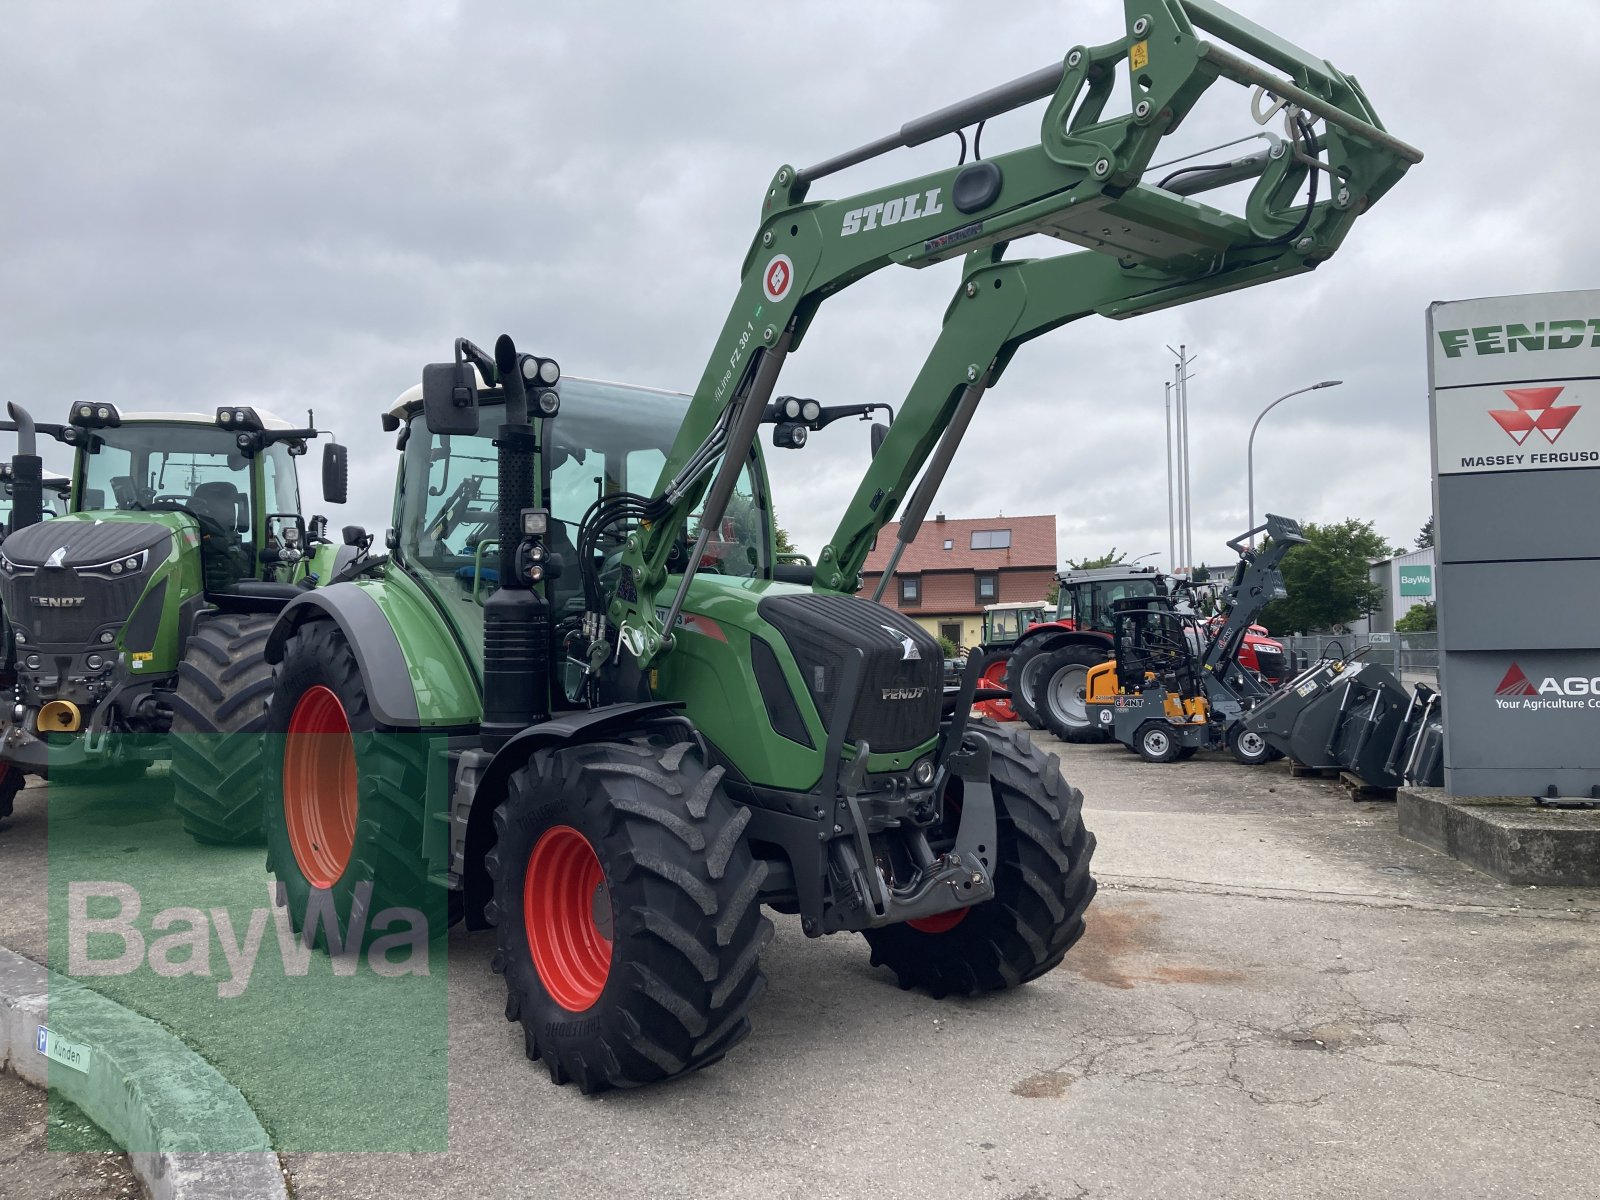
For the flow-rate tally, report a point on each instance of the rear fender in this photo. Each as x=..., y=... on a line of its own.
x=420, y=681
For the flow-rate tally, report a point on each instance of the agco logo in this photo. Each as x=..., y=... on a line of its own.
x=1516, y=690
x=1536, y=408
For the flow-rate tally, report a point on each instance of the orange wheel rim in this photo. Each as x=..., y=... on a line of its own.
x=319, y=787
x=943, y=923
x=564, y=902
x=946, y=921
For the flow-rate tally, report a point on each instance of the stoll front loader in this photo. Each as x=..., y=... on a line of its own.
x=1176, y=684
x=144, y=609
x=618, y=735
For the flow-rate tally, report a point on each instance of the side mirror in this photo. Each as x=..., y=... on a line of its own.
x=879, y=432
x=335, y=473
x=450, y=398
x=354, y=535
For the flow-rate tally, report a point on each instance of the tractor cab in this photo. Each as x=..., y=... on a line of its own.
x=1087, y=597
x=56, y=490
x=611, y=440
x=1005, y=623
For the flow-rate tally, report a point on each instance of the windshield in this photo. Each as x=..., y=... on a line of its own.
x=139, y=466
x=54, y=503
x=1089, y=604
x=609, y=438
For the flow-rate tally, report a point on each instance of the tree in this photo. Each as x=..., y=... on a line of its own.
x=1052, y=594
x=1421, y=618
x=1111, y=558
x=950, y=649
x=1328, y=579
x=1425, y=538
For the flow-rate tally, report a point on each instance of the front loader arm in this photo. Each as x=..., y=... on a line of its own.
x=1082, y=183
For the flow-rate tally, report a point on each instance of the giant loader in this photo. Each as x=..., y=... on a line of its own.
x=578, y=697
x=144, y=609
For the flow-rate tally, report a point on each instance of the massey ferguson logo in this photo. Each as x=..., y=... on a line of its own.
x=904, y=693
x=1516, y=690
x=1536, y=408
x=57, y=601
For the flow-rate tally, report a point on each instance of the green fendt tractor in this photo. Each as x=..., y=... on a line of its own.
x=580, y=697
x=144, y=609
x=43, y=495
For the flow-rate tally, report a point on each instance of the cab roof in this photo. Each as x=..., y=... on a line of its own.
x=188, y=418
x=410, y=400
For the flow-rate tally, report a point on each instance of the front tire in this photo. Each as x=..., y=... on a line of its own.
x=1063, y=682
x=1042, y=886
x=1248, y=747
x=219, y=715
x=1022, y=668
x=346, y=795
x=626, y=911
x=1155, y=742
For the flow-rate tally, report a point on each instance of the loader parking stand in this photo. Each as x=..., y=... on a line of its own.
x=571, y=834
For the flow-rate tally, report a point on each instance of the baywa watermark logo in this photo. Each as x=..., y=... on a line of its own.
x=1516, y=690
x=395, y=939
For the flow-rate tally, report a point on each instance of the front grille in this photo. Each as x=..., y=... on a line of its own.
x=897, y=706
x=104, y=601
x=1270, y=663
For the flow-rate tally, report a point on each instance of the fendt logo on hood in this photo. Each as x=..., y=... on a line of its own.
x=1536, y=408
x=1516, y=690
x=908, y=646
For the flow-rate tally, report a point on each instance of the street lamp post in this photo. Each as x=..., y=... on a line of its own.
x=1250, y=447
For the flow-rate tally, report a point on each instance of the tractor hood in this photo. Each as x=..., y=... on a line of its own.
x=76, y=543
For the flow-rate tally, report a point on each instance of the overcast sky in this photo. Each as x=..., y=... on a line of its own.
x=298, y=204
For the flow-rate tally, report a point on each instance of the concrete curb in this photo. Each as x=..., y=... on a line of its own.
x=144, y=1087
x=1508, y=838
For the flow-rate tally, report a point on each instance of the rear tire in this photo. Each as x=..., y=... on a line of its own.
x=1248, y=748
x=346, y=795
x=1042, y=886
x=1063, y=680
x=1154, y=742
x=219, y=719
x=626, y=911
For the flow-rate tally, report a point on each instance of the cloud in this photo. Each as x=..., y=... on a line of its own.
x=297, y=205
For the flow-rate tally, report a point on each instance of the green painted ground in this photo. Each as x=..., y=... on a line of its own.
x=346, y=1060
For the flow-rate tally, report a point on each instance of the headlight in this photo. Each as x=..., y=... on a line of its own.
x=34, y=662
x=107, y=637
x=94, y=662
x=922, y=772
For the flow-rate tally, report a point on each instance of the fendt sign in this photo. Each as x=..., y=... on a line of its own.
x=1515, y=395
x=1515, y=405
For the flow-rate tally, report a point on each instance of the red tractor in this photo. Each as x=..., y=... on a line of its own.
x=1046, y=668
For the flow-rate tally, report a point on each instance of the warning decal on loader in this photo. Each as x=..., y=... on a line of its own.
x=779, y=275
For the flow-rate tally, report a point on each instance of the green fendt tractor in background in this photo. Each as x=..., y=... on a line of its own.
x=144, y=608
x=56, y=489
x=44, y=495
x=580, y=697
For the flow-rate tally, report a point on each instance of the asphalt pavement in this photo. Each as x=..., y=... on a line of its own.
x=1277, y=996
